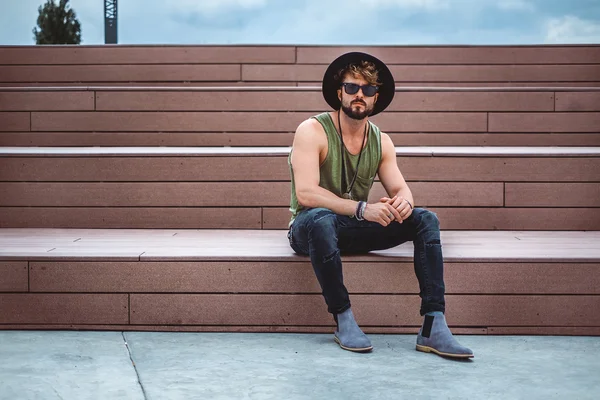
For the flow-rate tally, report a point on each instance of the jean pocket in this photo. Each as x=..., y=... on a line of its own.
x=297, y=247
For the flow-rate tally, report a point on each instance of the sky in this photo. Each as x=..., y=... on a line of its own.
x=323, y=22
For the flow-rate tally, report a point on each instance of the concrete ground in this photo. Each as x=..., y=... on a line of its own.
x=152, y=365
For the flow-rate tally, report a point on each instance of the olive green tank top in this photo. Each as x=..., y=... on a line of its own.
x=330, y=170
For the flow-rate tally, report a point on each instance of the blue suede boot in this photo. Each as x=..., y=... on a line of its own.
x=435, y=337
x=348, y=334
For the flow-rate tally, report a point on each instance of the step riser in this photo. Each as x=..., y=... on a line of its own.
x=230, y=310
x=208, y=139
x=268, y=116
x=476, y=192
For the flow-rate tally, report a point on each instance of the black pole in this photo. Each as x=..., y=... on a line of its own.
x=110, y=21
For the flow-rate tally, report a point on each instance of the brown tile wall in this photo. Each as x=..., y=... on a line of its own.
x=96, y=107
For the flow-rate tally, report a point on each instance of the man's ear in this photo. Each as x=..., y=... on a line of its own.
x=339, y=93
x=376, y=97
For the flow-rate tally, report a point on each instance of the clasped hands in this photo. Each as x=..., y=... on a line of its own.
x=388, y=210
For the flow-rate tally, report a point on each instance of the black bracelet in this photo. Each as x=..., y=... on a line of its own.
x=411, y=207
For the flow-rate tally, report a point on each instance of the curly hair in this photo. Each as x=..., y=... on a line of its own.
x=365, y=69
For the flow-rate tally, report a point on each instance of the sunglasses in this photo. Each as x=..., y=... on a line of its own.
x=368, y=90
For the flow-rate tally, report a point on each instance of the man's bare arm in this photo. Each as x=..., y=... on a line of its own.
x=392, y=180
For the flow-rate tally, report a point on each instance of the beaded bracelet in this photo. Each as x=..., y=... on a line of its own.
x=360, y=210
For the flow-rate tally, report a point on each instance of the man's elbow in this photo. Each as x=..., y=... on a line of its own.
x=305, y=198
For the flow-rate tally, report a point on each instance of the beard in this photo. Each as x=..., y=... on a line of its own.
x=355, y=113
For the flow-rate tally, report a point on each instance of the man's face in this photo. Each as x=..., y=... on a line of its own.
x=357, y=105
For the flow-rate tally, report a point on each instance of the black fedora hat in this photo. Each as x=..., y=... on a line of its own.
x=331, y=85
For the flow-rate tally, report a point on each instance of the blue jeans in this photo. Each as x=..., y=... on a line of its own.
x=324, y=236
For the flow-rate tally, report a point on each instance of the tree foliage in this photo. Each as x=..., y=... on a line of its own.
x=57, y=24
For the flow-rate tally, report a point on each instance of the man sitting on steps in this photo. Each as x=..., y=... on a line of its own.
x=335, y=158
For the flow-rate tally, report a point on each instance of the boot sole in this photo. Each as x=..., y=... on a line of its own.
x=427, y=349
x=354, y=349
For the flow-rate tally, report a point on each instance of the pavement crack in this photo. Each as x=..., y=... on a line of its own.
x=58, y=394
x=134, y=367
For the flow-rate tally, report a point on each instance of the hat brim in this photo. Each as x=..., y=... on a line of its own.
x=331, y=85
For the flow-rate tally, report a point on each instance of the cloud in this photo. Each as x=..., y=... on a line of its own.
x=515, y=5
x=408, y=4
x=572, y=30
x=213, y=7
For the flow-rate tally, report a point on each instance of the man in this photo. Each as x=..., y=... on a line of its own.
x=334, y=160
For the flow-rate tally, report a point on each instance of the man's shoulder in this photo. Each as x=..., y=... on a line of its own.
x=311, y=131
x=312, y=124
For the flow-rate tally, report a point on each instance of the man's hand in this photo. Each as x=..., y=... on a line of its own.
x=382, y=213
x=400, y=205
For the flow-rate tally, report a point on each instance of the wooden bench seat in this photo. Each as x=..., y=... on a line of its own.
x=207, y=280
x=268, y=116
x=510, y=188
